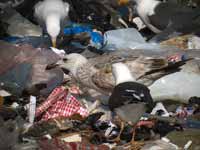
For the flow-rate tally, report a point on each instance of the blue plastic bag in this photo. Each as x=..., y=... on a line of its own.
x=96, y=38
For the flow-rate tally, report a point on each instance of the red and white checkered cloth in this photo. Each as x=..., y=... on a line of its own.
x=60, y=103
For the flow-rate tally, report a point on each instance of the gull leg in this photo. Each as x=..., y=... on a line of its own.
x=134, y=144
x=117, y=139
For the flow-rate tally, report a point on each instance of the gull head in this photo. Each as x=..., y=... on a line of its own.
x=53, y=27
x=72, y=62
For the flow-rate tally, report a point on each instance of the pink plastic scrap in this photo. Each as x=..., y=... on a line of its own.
x=176, y=58
x=60, y=103
x=183, y=112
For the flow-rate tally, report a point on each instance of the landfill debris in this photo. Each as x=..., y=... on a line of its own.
x=35, y=41
x=188, y=144
x=158, y=144
x=193, y=42
x=59, y=52
x=13, y=80
x=187, y=135
x=184, y=42
x=168, y=141
x=72, y=138
x=139, y=23
x=160, y=110
x=56, y=144
x=110, y=82
x=184, y=111
x=31, y=110
x=103, y=15
x=9, y=133
x=128, y=38
x=169, y=84
x=4, y=93
x=1, y=100
x=18, y=25
x=25, y=69
x=109, y=41
x=11, y=3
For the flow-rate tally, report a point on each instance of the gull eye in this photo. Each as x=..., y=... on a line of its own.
x=65, y=59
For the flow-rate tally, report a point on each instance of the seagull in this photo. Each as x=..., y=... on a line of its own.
x=96, y=73
x=167, y=19
x=126, y=89
x=51, y=14
x=129, y=99
x=81, y=69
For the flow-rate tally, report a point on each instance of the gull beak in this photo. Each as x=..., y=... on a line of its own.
x=123, y=2
x=59, y=63
x=53, y=42
x=51, y=66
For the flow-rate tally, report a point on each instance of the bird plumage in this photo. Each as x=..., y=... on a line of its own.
x=159, y=15
x=121, y=73
x=168, y=19
x=51, y=15
x=129, y=99
x=96, y=73
x=149, y=67
x=126, y=90
x=81, y=69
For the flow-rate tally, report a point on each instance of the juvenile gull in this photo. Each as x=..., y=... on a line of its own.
x=96, y=73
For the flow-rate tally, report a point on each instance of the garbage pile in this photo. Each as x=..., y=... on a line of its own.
x=119, y=74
